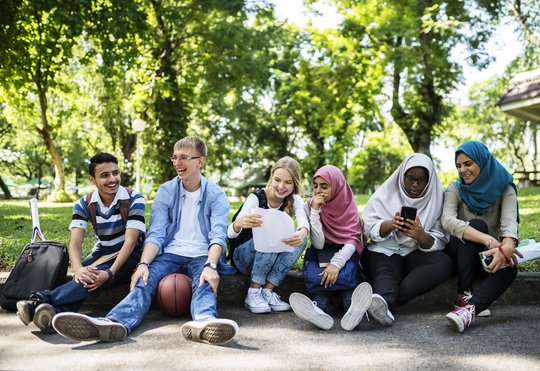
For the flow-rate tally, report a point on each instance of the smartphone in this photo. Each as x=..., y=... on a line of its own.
x=408, y=213
x=486, y=260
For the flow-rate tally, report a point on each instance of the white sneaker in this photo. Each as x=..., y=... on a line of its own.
x=213, y=331
x=256, y=303
x=360, y=302
x=306, y=309
x=379, y=310
x=80, y=327
x=274, y=301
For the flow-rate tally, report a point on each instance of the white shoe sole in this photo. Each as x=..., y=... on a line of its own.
x=23, y=312
x=43, y=318
x=379, y=310
x=215, y=331
x=257, y=310
x=303, y=307
x=360, y=303
x=79, y=327
x=455, y=321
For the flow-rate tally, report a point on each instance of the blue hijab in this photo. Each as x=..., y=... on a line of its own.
x=490, y=184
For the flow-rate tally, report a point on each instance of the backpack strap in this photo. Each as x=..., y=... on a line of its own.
x=123, y=204
x=245, y=234
x=92, y=211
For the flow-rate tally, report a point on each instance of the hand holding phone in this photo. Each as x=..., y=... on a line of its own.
x=408, y=213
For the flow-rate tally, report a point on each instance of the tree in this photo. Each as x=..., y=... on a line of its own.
x=5, y=129
x=39, y=36
x=527, y=12
x=414, y=41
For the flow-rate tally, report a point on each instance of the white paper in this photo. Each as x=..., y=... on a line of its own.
x=277, y=225
x=531, y=251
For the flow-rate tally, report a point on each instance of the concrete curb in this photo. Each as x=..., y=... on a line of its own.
x=232, y=291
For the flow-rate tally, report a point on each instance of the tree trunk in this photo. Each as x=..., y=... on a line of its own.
x=45, y=133
x=5, y=189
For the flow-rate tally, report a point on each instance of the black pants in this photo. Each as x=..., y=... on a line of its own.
x=399, y=279
x=467, y=265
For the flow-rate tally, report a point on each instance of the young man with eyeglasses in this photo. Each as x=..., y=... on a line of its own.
x=187, y=235
x=117, y=215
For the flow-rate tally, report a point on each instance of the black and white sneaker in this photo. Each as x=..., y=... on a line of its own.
x=379, y=310
x=43, y=318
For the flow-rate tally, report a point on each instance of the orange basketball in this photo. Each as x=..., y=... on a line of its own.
x=174, y=295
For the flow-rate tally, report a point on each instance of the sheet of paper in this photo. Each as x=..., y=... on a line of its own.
x=530, y=252
x=277, y=225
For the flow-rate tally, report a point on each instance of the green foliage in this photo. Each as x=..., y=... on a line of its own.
x=16, y=224
x=377, y=159
x=60, y=196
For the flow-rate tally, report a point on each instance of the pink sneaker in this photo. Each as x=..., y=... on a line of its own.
x=463, y=299
x=461, y=318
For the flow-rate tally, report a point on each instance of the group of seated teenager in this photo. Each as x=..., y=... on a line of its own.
x=411, y=237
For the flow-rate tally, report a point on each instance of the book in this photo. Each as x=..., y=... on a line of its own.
x=325, y=255
x=105, y=258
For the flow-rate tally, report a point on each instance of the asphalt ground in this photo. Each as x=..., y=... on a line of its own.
x=508, y=340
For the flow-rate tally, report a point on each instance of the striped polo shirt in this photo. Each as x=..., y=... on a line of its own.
x=111, y=229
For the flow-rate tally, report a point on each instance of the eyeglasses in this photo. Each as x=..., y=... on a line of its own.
x=411, y=180
x=183, y=158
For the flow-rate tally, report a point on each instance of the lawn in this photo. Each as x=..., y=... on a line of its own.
x=16, y=225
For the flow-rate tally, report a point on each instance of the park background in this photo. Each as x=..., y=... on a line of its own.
x=379, y=81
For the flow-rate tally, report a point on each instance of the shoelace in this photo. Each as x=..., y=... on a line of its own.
x=466, y=314
x=467, y=295
x=257, y=297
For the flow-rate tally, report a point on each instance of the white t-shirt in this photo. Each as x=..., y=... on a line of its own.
x=189, y=240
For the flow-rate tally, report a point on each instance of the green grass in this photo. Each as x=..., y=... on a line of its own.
x=16, y=225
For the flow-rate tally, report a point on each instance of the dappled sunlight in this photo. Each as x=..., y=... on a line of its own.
x=499, y=361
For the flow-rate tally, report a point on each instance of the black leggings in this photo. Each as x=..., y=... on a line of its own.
x=467, y=262
x=399, y=279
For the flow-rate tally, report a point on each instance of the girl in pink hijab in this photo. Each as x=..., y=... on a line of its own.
x=331, y=264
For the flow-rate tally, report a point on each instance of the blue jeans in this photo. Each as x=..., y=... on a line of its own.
x=132, y=309
x=70, y=296
x=324, y=299
x=264, y=266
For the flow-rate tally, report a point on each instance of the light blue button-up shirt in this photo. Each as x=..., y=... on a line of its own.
x=213, y=216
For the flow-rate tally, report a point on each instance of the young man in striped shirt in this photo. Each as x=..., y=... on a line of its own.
x=120, y=236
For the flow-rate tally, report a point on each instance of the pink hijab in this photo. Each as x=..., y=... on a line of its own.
x=339, y=216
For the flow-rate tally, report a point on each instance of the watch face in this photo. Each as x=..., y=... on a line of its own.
x=211, y=265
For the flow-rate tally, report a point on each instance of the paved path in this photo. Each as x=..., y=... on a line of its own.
x=508, y=340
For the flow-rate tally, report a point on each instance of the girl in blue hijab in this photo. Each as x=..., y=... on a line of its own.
x=492, y=181
x=480, y=212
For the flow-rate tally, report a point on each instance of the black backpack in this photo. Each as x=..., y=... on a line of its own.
x=42, y=266
x=246, y=234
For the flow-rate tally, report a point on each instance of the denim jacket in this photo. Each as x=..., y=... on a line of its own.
x=213, y=216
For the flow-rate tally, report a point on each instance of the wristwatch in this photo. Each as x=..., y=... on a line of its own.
x=210, y=265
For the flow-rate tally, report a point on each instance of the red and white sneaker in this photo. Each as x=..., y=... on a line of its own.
x=463, y=299
x=461, y=318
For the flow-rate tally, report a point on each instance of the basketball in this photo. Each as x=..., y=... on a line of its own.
x=174, y=295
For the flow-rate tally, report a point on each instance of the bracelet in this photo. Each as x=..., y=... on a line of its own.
x=143, y=263
x=516, y=242
x=502, y=252
x=489, y=243
x=110, y=273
